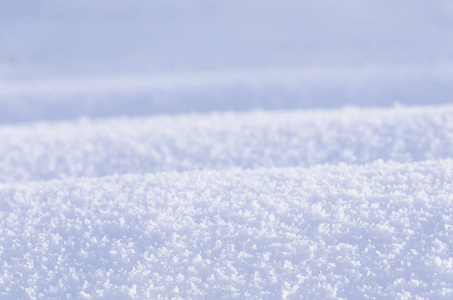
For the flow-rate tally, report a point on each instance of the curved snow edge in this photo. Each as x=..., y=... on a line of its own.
x=87, y=148
x=376, y=231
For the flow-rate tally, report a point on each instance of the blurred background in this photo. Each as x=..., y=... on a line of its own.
x=72, y=58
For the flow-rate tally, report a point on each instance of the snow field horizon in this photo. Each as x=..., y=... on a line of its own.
x=239, y=149
x=167, y=93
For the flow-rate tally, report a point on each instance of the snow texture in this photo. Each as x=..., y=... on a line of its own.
x=240, y=149
x=381, y=230
x=85, y=147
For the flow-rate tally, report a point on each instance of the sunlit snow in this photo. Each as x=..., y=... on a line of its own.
x=226, y=149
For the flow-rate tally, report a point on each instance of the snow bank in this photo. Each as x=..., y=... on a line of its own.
x=240, y=149
x=239, y=90
x=376, y=231
x=218, y=141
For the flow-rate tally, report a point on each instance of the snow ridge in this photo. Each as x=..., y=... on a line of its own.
x=226, y=149
x=238, y=90
x=380, y=230
x=104, y=147
x=284, y=204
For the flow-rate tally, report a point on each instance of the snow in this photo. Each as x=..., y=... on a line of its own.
x=93, y=148
x=226, y=150
x=380, y=230
x=56, y=98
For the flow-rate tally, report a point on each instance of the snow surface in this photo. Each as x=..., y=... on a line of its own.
x=91, y=148
x=249, y=221
x=381, y=230
x=239, y=90
x=226, y=149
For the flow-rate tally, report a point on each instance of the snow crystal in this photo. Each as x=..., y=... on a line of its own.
x=219, y=141
x=382, y=230
x=226, y=149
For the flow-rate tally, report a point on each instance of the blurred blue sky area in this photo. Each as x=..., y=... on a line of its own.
x=97, y=37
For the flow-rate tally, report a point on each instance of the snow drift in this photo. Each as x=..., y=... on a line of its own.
x=237, y=149
x=85, y=147
x=381, y=230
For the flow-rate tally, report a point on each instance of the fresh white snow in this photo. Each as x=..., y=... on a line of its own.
x=239, y=90
x=381, y=230
x=85, y=147
x=351, y=203
x=240, y=149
